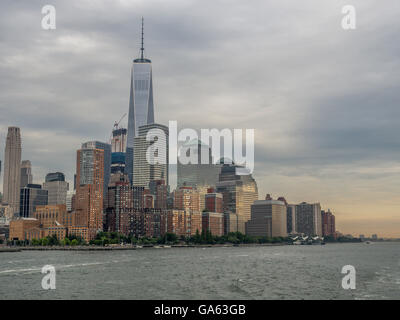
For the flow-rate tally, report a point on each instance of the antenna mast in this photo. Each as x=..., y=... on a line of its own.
x=142, y=48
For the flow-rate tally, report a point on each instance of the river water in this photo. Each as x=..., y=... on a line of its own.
x=278, y=272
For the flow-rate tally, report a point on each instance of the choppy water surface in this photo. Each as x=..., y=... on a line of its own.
x=282, y=272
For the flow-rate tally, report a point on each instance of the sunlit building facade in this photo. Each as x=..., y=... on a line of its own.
x=268, y=219
x=238, y=192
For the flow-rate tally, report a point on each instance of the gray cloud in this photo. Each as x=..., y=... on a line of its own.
x=324, y=102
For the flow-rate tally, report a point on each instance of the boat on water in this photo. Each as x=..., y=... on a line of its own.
x=307, y=240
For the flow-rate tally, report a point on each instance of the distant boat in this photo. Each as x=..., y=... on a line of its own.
x=367, y=242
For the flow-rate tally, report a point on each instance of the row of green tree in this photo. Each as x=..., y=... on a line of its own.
x=232, y=237
x=115, y=238
x=52, y=240
x=106, y=238
x=341, y=239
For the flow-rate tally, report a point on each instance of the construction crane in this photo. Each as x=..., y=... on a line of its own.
x=115, y=127
x=116, y=124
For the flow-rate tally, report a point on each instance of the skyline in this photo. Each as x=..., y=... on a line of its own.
x=288, y=161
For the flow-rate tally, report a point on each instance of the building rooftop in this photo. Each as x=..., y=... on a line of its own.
x=268, y=202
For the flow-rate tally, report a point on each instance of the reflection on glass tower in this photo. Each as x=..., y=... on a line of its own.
x=197, y=174
x=141, y=109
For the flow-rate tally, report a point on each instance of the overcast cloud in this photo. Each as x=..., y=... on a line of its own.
x=324, y=101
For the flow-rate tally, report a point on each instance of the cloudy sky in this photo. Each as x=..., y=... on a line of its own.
x=324, y=102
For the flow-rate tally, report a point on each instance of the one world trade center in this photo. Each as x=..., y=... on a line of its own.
x=141, y=108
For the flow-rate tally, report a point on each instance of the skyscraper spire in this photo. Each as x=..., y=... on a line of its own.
x=142, y=48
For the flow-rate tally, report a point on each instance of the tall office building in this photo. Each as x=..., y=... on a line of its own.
x=238, y=192
x=145, y=171
x=141, y=108
x=89, y=189
x=31, y=196
x=12, y=169
x=26, y=173
x=106, y=147
x=197, y=174
x=57, y=188
x=268, y=218
x=308, y=219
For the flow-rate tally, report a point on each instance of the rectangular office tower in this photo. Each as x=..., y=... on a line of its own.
x=57, y=188
x=268, y=219
x=197, y=174
x=31, y=196
x=151, y=155
x=239, y=192
x=141, y=108
x=26, y=173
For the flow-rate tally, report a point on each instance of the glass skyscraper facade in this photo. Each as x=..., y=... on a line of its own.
x=57, y=188
x=32, y=196
x=55, y=176
x=141, y=108
x=197, y=174
x=239, y=193
x=145, y=172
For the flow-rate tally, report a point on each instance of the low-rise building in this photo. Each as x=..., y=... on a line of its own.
x=82, y=232
x=20, y=227
x=213, y=222
x=54, y=215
